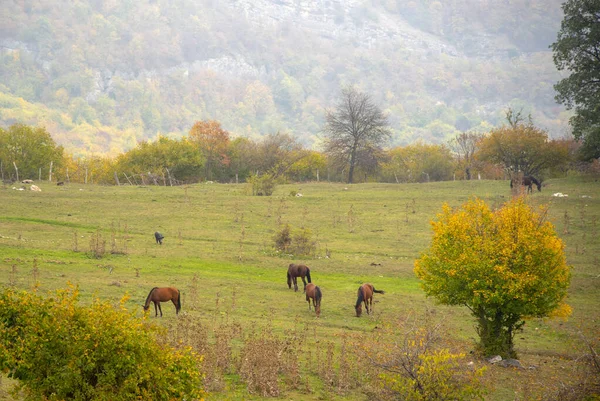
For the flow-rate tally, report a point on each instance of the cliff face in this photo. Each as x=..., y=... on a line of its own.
x=340, y=21
x=261, y=66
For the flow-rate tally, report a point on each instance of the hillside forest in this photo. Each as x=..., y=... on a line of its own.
x=103, y=76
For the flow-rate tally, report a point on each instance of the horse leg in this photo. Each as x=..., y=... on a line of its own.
x=295, y=284
x=308, y=300
x=160, y=309
x=304, y=281
x=175, y=303
x=155, y=308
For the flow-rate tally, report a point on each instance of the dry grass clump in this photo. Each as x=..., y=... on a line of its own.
x=587, y=374
x=260, y=363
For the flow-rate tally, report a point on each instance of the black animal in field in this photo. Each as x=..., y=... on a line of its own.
x=528, y=182
x=159, y=237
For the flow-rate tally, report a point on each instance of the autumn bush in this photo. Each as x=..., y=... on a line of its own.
x=59, y=350
x=505, y=265
x=410, y=359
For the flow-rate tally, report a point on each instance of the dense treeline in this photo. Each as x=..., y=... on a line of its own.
x=209, y=153
x=103, y=76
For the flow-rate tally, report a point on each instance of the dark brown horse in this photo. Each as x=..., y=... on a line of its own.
x=528, y=181
x=295, y=271
x=158, y=237
x=163, y=294
x=365, y=295
x=313, y=293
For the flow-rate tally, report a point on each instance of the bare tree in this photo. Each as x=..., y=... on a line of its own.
x=356, y=127
x=464, y=146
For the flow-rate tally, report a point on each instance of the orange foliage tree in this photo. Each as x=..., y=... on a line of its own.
x=505, y=265
x=521, y=147
x=213, y=142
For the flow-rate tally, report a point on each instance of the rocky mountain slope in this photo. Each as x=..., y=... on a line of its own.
x=104, y=75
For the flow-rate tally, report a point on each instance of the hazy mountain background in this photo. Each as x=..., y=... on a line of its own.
x=102, y=75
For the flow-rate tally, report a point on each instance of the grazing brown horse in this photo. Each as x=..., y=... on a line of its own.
x=314, y=292
x=295, y=271
x=163, y=294
x=528, y=181
x=365, y=294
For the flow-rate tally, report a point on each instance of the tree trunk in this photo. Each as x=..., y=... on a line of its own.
x=495, y=335
x=352, y=162
x=169, y=175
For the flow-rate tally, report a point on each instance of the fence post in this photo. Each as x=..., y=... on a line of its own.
x=17, y=170
x=50, y=174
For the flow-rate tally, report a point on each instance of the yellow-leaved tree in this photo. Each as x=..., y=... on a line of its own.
x=505, y=265
x=213, y=142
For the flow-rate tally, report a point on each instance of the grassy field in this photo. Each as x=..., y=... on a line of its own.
x=218, y=250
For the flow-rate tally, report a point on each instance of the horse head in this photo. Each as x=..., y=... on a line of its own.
x=358, y=309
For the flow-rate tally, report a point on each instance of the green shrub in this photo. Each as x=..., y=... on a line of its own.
x=262, y=185
x=299, y=243
x=59, y=350
x=303, y=243
x=283, y=239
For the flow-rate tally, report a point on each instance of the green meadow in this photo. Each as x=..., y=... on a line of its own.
x=218, y=250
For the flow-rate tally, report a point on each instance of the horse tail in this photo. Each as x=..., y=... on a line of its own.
x=360, y=297
x=378, y=291
x=318, y=295
x=148, y=297
x=178, y=300
x=289, y=279
x=308, y=274
x=511, y=183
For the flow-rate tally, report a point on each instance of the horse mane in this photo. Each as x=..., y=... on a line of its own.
x=318, y=295
x=308, y=274
x=149, y=294
x=360, y=297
